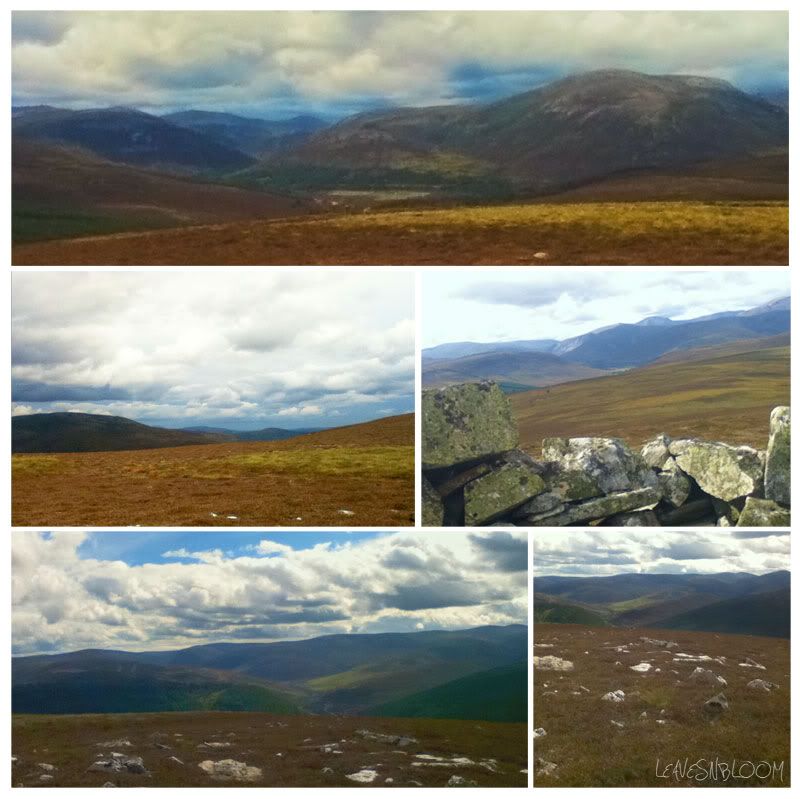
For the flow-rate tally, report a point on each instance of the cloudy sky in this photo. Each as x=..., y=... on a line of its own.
x=335, y=63
x=699, y=551
x=241, y=350
x=143, y=591
x=496, y=305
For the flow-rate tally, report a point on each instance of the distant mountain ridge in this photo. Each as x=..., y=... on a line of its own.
x=613, y=347
x=349, y=673
x=86, y=432
x=724, y=602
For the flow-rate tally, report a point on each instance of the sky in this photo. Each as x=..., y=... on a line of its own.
x=243, y=350
x=275, y=64
x=496, y=305
x=584, y=553
x=151, y=591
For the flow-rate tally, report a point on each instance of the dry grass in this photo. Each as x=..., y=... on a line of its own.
x=606, y=233
x=306, y=481
x=589, y=751
x=286, y=748
x=725, y=399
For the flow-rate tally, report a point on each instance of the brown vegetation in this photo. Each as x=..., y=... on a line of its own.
x=606, y=233
x=288, y=749
x=726, y=398
x=351, y=476
x=588, y=750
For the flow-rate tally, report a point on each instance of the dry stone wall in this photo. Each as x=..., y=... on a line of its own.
x=475, y=474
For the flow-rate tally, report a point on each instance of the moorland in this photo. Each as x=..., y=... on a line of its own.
x=403, y=709
x=609, y=167
x=112, y=471
x=625, y=667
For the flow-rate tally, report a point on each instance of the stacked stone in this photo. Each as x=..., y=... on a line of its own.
x=475, y=474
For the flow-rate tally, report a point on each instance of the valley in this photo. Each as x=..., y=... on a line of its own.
x=603, y=167
x=425, y=708
x=349, y=476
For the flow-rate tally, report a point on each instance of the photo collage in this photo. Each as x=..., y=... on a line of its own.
x=399, y=399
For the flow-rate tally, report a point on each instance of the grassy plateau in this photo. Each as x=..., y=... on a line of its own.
x=351, y=476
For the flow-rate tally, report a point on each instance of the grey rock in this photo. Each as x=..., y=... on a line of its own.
x=601, y=508
x=544, y=768
x=721, y=470
x=457, y=781
x=608, y=462
x=499, y=492
x=763, y=685
x=716, y=705
x=777, y=476
x=570, y=485
x=540, y=504
x=655, y=453
x=763, y=513
x=674, y=484
x=465, y=422
x=642, y=518
x=230, y=770
x=384, y=738
x=432, y=506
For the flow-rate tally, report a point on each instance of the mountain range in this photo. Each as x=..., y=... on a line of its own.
x=572, y=132
x=726, y=602
x=479, y=673
x=87, y=432
x=535, y=363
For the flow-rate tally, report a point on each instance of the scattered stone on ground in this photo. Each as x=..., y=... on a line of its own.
x=552, y=663
x=232, y=770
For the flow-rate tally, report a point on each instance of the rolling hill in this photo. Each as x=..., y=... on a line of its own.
x=264, y=434
x=512, y=370
x=727, y=398
x=352, y=674
x=493, y=695
x=127, y=136
x=88, y=432
x=725, y=602
x=572, y=131
x=60, y=192
x=253, y=137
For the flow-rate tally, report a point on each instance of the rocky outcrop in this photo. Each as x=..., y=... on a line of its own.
x=473, y=473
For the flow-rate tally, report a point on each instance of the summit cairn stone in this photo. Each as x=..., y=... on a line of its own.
x=722, y=471
x=465, y=422
x=777, y=475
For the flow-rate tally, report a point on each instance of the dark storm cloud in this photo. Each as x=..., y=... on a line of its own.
x=442, y=594
x=503, y=551
x=22, y=391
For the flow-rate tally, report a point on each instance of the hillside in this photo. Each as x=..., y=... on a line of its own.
x=545, y=610
x=763, y=614
x=493, y=695
x=263, y=434
x=508, y=368
x=61, y=192
x=88, y=432
x=726, y=602
x=565, y=133
x=253, y=137
x=349, y=674
x=358, y=475
x=726, y=398
x=127, y=136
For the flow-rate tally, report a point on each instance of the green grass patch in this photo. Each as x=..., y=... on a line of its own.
x=22, y=465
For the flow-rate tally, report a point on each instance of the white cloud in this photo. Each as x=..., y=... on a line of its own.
x=606, y=553
x=202, y=346
x=63, y=601
x=240, y=59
